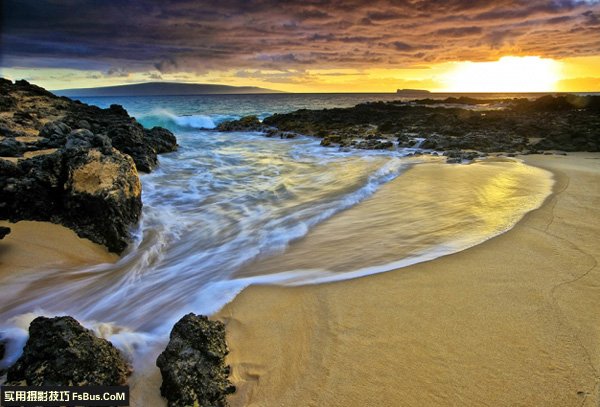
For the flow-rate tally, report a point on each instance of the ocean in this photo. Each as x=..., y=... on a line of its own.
x=228, y=210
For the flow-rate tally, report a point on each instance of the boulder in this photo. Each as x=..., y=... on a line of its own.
x=88, y=186
x=61, y=352
x=246, y=123
x=374, y=144
x=326, y=142
x=193, y=364
x=161, y=140
x=55, y=127
x=10, y=147
x=129, y=139
x=102, y=196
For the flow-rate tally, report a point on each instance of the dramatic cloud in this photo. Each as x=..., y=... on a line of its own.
x=120, y=37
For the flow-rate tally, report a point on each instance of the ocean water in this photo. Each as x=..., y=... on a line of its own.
x=221, y=211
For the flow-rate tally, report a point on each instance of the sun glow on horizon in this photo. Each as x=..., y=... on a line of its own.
x=508, y=74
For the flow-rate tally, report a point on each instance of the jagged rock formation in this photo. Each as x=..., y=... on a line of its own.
x=74, y=164
x=86, y=185
x=32, y=119
x=61, y=352
x=568, y=123
x=193, y=364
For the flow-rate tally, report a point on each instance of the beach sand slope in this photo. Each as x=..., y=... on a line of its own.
x=33, y=245
x=513, y=321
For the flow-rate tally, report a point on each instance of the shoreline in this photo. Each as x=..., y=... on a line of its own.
x=455, y=207
x=385, y=337
x=34, y=245
x=510, y=321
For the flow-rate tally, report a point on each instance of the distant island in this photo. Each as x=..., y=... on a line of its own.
x=163, y=88
x=413, y=91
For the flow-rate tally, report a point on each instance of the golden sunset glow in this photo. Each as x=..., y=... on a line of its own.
x=309, y=47
x=509, y=74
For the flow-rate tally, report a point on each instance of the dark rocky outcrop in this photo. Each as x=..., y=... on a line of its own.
x=86, y=185
x=161, y=140
x=29, y=110
x=72, y=163
x=246, y=123
x=193, y=364
x=567, y=122
x=60, y=351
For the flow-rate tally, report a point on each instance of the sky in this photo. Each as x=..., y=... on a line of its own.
x=306, y=46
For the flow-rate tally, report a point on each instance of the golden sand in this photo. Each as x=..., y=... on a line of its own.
x=514, y=321
x=42, y=245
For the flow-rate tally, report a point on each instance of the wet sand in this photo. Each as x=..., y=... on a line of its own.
x=42, y=245
x=513, y=321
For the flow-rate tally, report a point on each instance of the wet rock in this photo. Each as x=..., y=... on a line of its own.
x=90, y=183
x=193, y=364
x=246, y=123
x=102, y=196
x=3, y=232
x=374, y=144
x=161, y=140
x=287, y=135
x=10, y=147
x=87, y=185
x=567, y=123
x=272, y=132
x=31, y=189
x=129, y=139
x=458, y=156
x=60, y=351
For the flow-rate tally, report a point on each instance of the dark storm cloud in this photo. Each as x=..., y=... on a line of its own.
x=458, y=31
x=402, y=46
x=197, y=36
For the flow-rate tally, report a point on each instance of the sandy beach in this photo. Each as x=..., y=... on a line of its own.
x=513, y=321
x=35, y=245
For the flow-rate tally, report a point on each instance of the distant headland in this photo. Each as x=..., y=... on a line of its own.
x=163, y=88
x=413, y=91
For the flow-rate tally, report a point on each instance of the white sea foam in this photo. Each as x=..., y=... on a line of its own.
x=166, y=118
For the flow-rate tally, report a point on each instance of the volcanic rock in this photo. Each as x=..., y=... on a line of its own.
x=193, y=364
x=74, y=164
x=87, y=185
x=61, y=352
